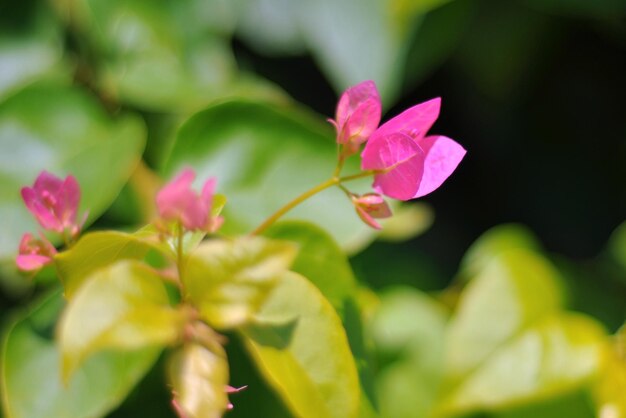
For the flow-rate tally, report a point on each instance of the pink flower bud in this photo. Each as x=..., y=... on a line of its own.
x=411, y=164
x=54, y=202
x=358, y=114
x=178, y=202
x=371, y=206
x=34, y=253
x=229, y=390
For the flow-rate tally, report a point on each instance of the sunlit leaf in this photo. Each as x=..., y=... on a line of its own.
x=199, y=377
x=300, y=347
x=264, y=160
x=122, y=307
x=229, y=280
x=510, y=340
x=96, y=250
x=31, y=376
x=62, y=130
x=321, y=261
x=494, y=242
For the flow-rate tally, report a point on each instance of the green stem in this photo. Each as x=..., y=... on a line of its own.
x=309, y=193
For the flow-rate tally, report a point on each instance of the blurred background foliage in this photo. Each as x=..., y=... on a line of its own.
x=492, y=297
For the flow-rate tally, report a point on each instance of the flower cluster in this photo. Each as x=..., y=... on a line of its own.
x=406, y=163
x=54, y=204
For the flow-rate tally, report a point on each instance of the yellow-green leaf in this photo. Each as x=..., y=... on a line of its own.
x=301, y=348
x=124, y=307
x=199, y=377
x=96, y=250
x=229, y=280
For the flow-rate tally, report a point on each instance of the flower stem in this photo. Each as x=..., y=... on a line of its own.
x=333, y=181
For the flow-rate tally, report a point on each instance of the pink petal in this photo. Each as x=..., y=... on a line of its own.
x=404, y=158
x=176, y=196
x=442, y=156
x=415, y=121
x=208, y=190
x=30, y=262
x=47, y=181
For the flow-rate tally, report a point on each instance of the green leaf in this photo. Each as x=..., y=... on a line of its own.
x=163, y=55
x=31, y=47
x=265, y=156
x=319, y=259
x=325, y=265
x=199, y=378
x=96, y=250
x=301, y=348
x=229, y=280
x=408, y=221
x=510, y=341
x=62, y=130
x=408, y=331
x=494, y=242
x=337, y=34
x=122, y=307
x=31, y=381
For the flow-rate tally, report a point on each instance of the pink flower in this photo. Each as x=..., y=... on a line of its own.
x=414, y=164
x=357, y=116
x=34, y=253
x=54, y=202
x=178, y=202
x=371, y=206
x=229, y=390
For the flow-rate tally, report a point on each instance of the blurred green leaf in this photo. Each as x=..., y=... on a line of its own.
x=241, y=272
x=510, y=341
x=617, y=246
x=300, y=347
x=352, y=40
x=121, y=307
x=30, y=50
x=61, y=130
x=408, y=330
x=408, y=221
x=264, y=156
x=96, y=250
x=31, y=380
x=199, y=378
x=163, y=55
x=494, y=242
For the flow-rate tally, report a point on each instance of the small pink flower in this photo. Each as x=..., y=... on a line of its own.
x=358, y=114
x=34, y=253
x=371, y=206
x=178, y=202
x=54, y=202
x=414, y=164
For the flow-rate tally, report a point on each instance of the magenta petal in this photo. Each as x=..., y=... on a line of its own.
x=367, y=218
x=403, y=157
x=30, y=262
x=442, y=156
x=415, y=121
